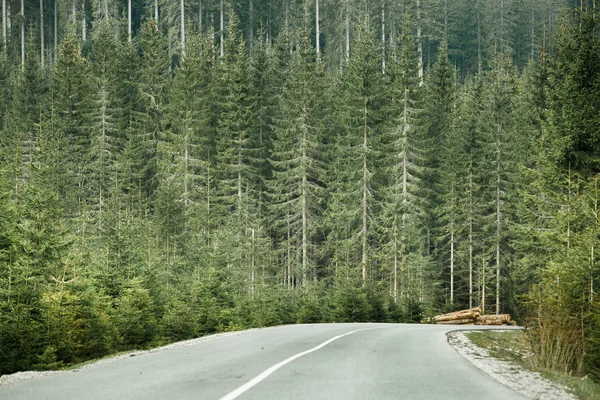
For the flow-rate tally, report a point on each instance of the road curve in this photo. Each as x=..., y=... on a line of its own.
x=325, y=361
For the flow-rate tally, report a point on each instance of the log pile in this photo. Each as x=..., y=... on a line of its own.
x=473, y=317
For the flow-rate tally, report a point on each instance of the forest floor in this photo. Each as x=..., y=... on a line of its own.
x=504, y=354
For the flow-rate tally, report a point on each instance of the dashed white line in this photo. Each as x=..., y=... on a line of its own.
x=250, y=384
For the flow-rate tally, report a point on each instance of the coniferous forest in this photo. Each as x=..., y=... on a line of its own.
x=175, y=168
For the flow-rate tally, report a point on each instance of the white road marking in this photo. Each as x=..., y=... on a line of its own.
x=250, y=384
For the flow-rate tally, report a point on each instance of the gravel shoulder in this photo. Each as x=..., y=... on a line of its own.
x=528, y=383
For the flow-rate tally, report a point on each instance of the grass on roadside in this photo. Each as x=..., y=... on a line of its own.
x=513, y=346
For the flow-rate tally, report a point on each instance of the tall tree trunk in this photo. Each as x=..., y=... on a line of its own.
x=4, y=20
x=251, y=25
x=471, y=238
x=318, y=30
x=156, y=11
x=42, y=33
x=129, y=21
x=479, y=59
x=23, y=33
x=347, y=28
x=83, y=22
x=395, y=264
x=304, y=206
x=252, y=266
x=55, y=29
x=222, y=31
x=419, y=43
x=200, y=16
x=383, y=38
x=498, y=220
x=364, y=201
x=182, y=11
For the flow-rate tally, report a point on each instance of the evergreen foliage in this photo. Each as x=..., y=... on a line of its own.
x=428, y=156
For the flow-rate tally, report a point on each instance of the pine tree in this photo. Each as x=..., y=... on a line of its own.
x=297, y=169
x=359, y=116
x=403, y=198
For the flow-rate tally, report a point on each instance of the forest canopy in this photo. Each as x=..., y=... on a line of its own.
x=170, y=169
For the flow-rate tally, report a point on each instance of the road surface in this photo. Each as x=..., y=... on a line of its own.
x=326, y=361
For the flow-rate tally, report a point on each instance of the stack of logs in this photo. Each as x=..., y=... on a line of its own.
x=473, y=317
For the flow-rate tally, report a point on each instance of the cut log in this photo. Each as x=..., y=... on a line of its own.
x=493, y=319
x=463, y=314
x=466, y=321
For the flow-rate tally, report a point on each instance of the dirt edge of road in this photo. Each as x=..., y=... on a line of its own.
x=529, y=383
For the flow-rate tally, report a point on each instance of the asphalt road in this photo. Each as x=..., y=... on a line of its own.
x=328, y=361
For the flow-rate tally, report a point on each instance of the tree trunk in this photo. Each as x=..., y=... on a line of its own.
x=419, y=43
x=498, y=220
x=182, y=11
x=483, y=286
x=55, y=29
x=347, y=28
x=200, y=17
x=479, y=59
x=4, y=20
x=395, y=266
x=251, y=25
x=129, y=21
x=156, y=11
x=318, y=30
x=222, y=31
x=83, y=22
x=451, y=265
x=304, y=207
x=23, y=33
x=383, y=38
x=252, y=264
x=470, y=239
x=42, y=33
x=365, y=191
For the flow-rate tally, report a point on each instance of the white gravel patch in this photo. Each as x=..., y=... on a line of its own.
x=26, y=375
x=528, y=383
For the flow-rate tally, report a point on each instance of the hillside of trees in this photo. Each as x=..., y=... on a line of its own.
x=170, y=169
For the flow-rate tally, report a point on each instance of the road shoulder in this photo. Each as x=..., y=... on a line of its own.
x=529, y=383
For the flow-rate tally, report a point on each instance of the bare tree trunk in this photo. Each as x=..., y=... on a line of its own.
x=129, y=21
x=42, y=33
x=156, y=11
x=182, y=10
x=452, y=265
x=470, y=239
x=532, y=34
x=83, y=22
x=55, y=29
x=318, y=30
x=222, y=31
x=304, y=208
x=4, y=20
x=364, y=201
x=483, y=286
x=479, y=59
x=383, y=38
x=347, y=30
x=252, y=266
x=200, y=16
x=22, y=33
x=395, y=267
x=498, y=219
x=251, y=25
x=419, y=43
